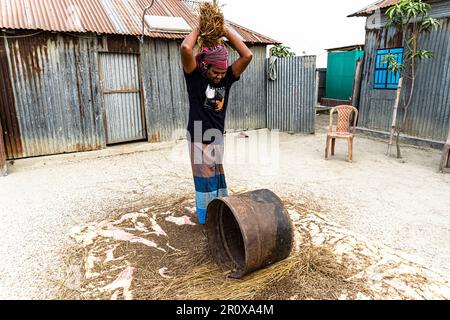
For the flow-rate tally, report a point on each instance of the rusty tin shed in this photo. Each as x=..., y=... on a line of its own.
x=74, y=76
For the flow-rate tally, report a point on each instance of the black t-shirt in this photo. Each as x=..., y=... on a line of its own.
x=208, y=102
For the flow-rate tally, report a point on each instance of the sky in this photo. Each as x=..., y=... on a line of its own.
x=308, y=27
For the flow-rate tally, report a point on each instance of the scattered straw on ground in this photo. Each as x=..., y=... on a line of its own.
x=185, y=269
x=153, y=251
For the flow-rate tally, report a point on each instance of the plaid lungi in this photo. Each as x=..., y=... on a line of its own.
x=209, y=176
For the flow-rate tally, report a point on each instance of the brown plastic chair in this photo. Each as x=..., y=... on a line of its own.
x=343, y=130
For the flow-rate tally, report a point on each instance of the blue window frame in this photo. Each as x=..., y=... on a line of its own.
x=385, y=79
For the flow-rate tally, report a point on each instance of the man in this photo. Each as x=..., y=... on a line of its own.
x=209, y=79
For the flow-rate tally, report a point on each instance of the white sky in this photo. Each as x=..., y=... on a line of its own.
x=306, y=26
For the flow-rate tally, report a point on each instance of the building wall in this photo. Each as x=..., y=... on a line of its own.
x=166, y=100
x=247, y=108
x=439, y=9
x=51, y=100
x=430, y=109
x=167, y=103
x=2, y=155
x=8, y=114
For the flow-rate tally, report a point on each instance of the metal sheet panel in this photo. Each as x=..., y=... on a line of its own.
x=166, y=99
x=55, y=83
x=247, y=105
x=430, y=109
x=2, y=154
x=101, y=16
x=439, y=9
x=292, y=97
x=8, y=115
x=120, y=83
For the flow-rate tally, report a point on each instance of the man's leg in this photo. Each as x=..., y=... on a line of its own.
x=209, y=177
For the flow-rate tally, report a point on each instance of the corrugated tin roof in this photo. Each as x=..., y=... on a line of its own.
x=380, y=4
x=102, y=17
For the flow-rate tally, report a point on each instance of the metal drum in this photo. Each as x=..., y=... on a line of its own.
x=248, y=232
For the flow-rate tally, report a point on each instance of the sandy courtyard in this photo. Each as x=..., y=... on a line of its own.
x=401, y=204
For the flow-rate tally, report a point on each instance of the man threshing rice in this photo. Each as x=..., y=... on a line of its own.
x=209, y=79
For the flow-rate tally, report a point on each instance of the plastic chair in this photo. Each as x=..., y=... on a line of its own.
x=343, y=130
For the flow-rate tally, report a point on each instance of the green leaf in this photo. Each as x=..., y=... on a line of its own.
x=392, y=63
x=281, y=51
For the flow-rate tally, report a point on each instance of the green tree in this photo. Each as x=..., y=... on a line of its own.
x=411, y=18
x=281, y=51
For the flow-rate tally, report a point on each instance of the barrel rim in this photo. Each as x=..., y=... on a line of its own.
x=247, y=268
x=239, y=271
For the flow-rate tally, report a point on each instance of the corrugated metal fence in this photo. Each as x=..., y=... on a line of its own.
x=291, y=98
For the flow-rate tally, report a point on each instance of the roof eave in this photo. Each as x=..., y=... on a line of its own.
x=360, y=14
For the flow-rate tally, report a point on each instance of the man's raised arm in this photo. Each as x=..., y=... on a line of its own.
x=246, y=55
x=187, y=54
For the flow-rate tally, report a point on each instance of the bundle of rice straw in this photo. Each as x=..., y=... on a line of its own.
x=211, y=24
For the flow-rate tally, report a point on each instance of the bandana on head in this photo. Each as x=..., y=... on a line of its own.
x=216, y=57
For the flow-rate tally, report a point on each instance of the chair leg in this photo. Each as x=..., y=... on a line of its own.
x=327, y=147
x=350, y=150
x=333, y=144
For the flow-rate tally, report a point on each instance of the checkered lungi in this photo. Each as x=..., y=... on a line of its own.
x=209, y=176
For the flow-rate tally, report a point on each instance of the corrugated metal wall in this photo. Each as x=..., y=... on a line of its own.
x=121, y=92
x=167, y=103
x=56, y=93
x=2, y=154
x=439, y=9
x=51, y=102
x=248, y=99
x=291, y=98
x=430, y=109
x=8, y=115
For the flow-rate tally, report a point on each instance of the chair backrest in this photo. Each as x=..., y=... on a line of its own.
x=344, y=117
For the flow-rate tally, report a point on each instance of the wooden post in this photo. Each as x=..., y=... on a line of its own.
x=445, y=160
x=357, y=84
x=3, y=171
x=394, y=116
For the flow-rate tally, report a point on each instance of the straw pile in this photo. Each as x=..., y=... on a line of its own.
x=211, y=24
x=311, y=272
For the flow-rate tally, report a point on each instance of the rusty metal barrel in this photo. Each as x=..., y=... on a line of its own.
x=248, y=232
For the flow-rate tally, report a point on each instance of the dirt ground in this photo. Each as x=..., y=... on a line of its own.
x=402, y=204
x=177, y=264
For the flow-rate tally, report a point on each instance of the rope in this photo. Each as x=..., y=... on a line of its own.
x=273, y=68
x=141, y=38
